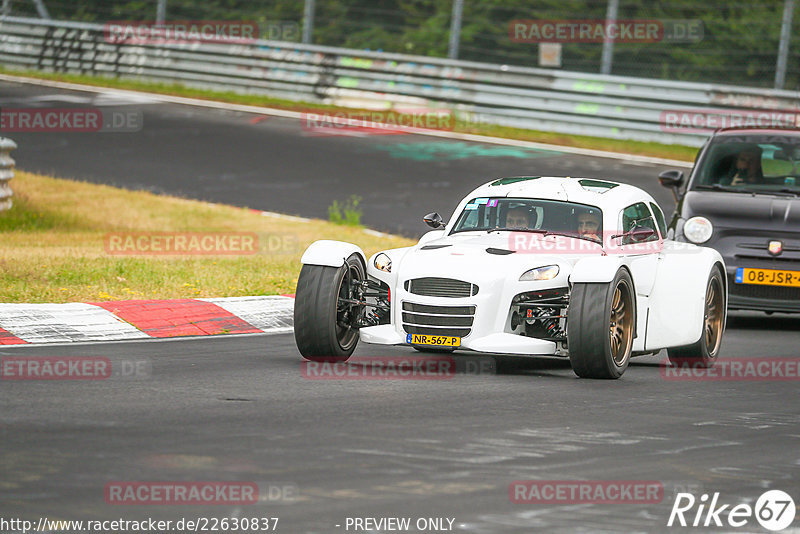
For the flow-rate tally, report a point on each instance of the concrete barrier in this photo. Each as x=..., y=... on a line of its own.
x=6, y=172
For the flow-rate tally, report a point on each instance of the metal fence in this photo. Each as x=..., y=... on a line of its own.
x=740, y=42
x=531, y=98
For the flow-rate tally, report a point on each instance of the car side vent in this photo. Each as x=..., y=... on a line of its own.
x=500, y=251
x=434, y=247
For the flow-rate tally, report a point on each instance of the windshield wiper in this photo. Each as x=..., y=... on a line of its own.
x=789, y=191
x=780, y=192
x=529, y=230
x=720, y=187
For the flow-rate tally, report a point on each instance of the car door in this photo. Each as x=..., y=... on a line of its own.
x=643, y=254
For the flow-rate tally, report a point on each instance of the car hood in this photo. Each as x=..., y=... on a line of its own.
x=732, y=210
x=490, y=256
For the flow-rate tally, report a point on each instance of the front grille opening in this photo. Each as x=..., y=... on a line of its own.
x=439, y=310
x=762, y=291
x=441, y=287
x=766, y=257
x=438, y=320
x=454, y=332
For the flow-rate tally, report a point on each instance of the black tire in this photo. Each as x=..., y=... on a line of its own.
x=318, y=313
x=705, y=351
x=600, y=327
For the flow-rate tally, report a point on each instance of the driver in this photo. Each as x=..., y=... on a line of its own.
x=589, y=224
x=748, y=167
x=519, y=218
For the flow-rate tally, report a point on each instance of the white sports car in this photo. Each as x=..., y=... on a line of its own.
x=550, y=266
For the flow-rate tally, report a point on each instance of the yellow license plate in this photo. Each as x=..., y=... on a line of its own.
x=768, y=277
x=433, y=341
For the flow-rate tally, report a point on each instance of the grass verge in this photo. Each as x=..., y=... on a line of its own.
x=54, y=245
x=641, y=148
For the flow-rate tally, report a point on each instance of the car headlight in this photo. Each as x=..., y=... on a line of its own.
x=382, y=262
x=698, y=230
x=540, y=273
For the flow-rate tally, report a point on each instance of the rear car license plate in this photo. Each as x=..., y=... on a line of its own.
x=768, y=277
x=433, y=341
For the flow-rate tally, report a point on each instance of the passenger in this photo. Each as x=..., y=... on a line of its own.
x=589, y=223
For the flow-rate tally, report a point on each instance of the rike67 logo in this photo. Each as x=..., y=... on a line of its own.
x=774, y=510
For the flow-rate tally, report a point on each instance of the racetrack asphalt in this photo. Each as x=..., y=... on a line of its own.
x=239, y=408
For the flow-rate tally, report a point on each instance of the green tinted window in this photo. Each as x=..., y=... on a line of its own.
x=598, y=186
x=662, y=223
x=762, y=162
x=514, y=179
x=637, y=215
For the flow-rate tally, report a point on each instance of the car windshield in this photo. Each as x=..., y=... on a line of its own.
x=521, y=214
x=751, y=163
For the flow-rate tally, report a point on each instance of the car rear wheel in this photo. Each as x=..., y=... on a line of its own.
x=600, y=327
x=326, y=310
x=704, y=353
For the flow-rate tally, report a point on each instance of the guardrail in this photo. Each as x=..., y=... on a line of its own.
x=6, y=172
x=538, y=99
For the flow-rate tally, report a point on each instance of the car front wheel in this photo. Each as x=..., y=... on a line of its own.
x=327, y=310
x=600, y=327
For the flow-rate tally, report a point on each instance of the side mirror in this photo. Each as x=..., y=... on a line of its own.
x=640, y=234
x=673, y=180
x=637, y=234
x=434, y=220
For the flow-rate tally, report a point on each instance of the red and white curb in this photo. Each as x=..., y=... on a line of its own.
x=143, y=319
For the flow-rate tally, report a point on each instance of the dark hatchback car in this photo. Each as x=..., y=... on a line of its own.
x=743, y=199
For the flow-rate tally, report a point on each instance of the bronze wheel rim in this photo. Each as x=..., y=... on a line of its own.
x=621, y=323
x=714, y=316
